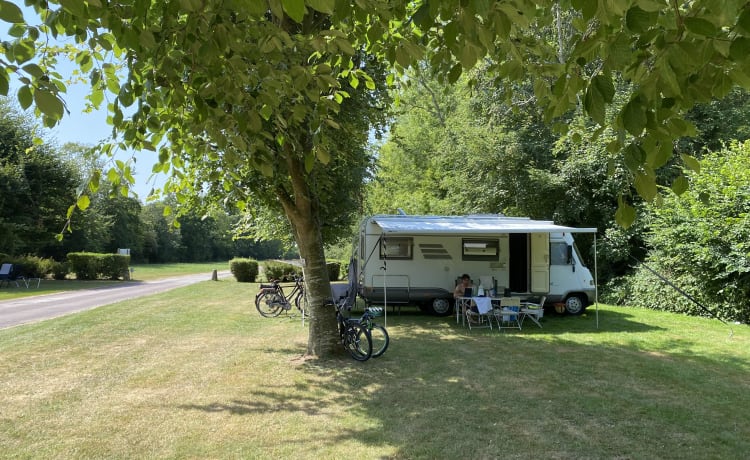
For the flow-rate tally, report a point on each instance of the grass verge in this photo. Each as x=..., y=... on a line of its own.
x=141, y=273
x=196, y=373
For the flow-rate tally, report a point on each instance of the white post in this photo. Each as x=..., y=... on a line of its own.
x=596, y=284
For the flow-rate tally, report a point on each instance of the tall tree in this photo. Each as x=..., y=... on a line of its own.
x=37, y=185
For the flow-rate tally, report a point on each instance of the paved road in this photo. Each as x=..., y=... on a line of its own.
x=32, y=309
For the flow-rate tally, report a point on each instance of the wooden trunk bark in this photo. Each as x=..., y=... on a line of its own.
x=301, y=209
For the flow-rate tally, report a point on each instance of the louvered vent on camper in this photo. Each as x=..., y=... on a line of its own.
x=434, y=251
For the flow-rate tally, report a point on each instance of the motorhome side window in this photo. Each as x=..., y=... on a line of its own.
x=396, y=248
x=480, y=249
x=559, y=254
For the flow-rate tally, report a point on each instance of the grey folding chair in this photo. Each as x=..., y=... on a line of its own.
x=533, y=310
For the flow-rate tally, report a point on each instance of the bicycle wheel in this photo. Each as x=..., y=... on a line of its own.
x=269, y=303
x=379, y=338
x=357, y=342
x=301, y=303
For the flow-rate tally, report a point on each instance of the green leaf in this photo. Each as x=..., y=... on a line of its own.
x=740, y=48
x=700, y=26
x=25, y=98
x=646, y=186
x=680, y=185
x=634, y=157
x=593, y=102
x=49, y=104
x=468, y=56
x=455, y=73
x=604, y=86
x=266, y=112
x=634, y=118
x=10, y=12
x=639, y=20
x=586, y=7
x=295, y=9
x=323, y=155
x=659, y=156
x=691, y=162
x=4, y=83
x=625, y=214
x=324, y=6
x=83, y=202
x=743, y=21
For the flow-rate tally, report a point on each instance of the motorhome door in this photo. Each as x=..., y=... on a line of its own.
x=540, y=263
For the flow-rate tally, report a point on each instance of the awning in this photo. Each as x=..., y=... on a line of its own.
x=467, y=225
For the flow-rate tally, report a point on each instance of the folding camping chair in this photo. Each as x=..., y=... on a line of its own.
x=8, y=275
x=533, y=310
x=508, y=316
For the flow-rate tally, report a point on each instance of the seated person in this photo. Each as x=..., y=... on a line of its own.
x=460, y=292
x=462, y=286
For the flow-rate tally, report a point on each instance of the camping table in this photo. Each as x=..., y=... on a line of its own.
x=462, y=300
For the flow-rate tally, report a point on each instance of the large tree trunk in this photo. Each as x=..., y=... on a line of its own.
x=302, y=211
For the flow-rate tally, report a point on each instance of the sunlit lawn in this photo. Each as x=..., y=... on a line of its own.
x=197, y=373
x=140, y=273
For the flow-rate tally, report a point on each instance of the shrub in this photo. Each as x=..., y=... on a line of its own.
x=244, y=270
x=334, y=270
x=91, y=266
x=31, y=266
x=60, y=270
x=282, y=271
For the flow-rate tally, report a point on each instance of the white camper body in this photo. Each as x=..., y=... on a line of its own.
x=416, y=260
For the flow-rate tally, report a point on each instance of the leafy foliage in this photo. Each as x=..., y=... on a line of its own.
x=36, y=188
x=701, y=241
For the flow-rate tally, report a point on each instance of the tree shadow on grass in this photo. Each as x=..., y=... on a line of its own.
x=442, y=391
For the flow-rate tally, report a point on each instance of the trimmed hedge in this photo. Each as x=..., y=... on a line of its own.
x=281, y=271
x=244, y=270
x=92, y=266
x=334, y=270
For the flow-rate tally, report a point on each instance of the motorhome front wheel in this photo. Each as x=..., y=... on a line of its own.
x=441, y=307
x=575, y=305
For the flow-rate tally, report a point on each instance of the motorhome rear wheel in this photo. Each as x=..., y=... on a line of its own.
x=441, y=307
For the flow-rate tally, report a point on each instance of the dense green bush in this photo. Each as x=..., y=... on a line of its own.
x=244, y=270
x=30, y=266
x=60, y=270
x=334, y=270
x=91, y=266
x=282, y=271
x=700, y=242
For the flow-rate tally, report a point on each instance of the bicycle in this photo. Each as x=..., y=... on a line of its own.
x=354, y=336
x=378, y=334
x=271, y=299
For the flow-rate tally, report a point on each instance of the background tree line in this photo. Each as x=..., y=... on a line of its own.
x=39, y=182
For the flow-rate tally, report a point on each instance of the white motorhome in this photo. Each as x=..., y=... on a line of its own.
x=416, y=260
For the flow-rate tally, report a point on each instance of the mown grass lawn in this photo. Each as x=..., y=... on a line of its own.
x=197, y=373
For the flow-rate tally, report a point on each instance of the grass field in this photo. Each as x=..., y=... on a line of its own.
x=140, y=273
x=197, y=373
